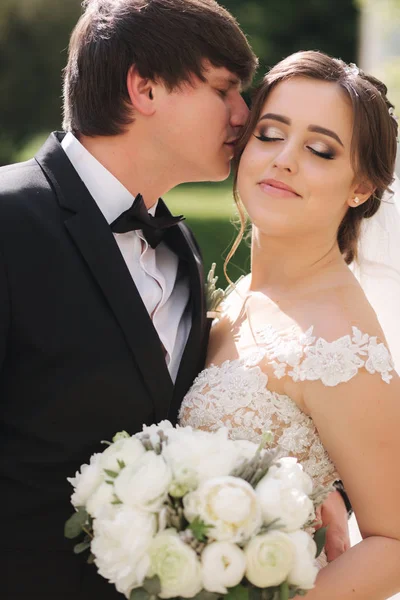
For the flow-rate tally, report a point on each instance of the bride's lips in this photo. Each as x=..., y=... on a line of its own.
x=273, y=187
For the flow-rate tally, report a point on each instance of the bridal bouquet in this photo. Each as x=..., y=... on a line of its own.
x=181, y=513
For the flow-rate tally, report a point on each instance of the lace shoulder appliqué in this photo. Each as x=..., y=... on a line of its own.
x=305, y=358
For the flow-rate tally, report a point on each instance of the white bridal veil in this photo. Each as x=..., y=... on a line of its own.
x=378, y=266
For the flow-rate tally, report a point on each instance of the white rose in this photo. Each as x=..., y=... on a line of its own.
x=86, y=481
x=229, y=505
x=120, y=545
x=176, y=565
x=269, y=558
x=304, y=571
x=224, y=565
x=291, y=474
x=195, y=456
x=127, y=450
x=152, y=431
x=144, y=484
x=100, y=499
x=290, y=505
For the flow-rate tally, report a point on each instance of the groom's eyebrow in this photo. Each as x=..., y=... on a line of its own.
x=314, y=128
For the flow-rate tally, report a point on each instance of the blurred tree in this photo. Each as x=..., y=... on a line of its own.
x=34, y=36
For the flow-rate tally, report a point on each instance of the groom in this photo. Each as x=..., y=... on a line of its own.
x=102, y=314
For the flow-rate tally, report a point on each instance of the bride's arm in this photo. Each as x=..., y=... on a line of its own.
x=358, y=423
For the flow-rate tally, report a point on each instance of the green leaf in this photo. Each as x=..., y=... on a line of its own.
x=121, y=463
x=152, y=585
x=239, y=592
x=139, y=594
x=79, y=548
x=90, y=560
x=255, y=593
x=284, y=591
x=204, y=595
x=73, y=527
x=199, y=529
x=320, y=539
x=110, y=473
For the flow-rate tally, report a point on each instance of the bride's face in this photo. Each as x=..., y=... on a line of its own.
x=295, y=175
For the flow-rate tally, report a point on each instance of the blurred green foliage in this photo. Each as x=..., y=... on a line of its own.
x=33, y=50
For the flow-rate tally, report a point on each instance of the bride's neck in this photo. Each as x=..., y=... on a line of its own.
x=283, y=265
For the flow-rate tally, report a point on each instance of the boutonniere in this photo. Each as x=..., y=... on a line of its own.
x=215, y=296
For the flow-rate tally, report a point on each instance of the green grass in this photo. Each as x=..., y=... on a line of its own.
x=209, y=210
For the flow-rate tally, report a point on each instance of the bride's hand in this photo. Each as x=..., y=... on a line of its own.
x=333, y=514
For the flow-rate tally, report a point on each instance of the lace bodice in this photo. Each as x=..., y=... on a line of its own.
x=235, y=394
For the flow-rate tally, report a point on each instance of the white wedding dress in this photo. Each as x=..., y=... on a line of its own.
x=236, y=394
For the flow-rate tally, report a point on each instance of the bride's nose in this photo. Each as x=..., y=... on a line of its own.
x=286, y=159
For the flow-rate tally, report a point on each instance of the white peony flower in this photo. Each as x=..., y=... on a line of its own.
x=291, y=474
x=304, y=570
x=120, y=545
x=144, y=485
x=229, y=505
x=269, y=557
x=127, y=450
x=86, y=481
x=176, y=565
x=290, y=505
x=224, y=566
x=195, y=456
x=152, y=431
x=100, y=499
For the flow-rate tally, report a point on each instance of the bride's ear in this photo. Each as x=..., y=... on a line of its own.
x=141, y=92
x=360, y=193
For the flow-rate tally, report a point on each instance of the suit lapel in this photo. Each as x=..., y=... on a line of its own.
x=96, y=243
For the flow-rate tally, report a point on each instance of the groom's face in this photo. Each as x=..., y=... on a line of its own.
x=201, y=122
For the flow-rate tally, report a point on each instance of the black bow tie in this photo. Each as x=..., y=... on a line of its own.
x=137, y=217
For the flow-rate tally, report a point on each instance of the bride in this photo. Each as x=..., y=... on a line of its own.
x=299, y=349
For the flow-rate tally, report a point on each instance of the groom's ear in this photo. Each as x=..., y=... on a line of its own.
x=141, y=92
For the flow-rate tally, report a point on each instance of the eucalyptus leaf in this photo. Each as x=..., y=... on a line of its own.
x=139, y=594
x=239, y=592
x=255, y=593
x=110, y=473
x=79, y=548
x=73, y=527
x=152, y=585
x=90, y=560
x=320, y=539
x=204, y=595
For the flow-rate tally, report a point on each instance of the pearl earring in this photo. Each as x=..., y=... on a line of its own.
x=356, y=200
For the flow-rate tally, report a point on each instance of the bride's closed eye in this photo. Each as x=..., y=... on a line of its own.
x=274, y=134
x=269, y=134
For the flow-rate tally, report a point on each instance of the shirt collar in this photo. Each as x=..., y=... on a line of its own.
x=110, y=195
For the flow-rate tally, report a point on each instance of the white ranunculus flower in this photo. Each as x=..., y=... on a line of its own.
x=152, y=431
x=128, y=450
x=195, y=456
x=304, y=571
x=120, y=546
x=291, y=474
x=144, y=484
x=290, y=505
x=224, y=566
x=269, y=558
x=86, y=481
x=229, y=505
x=176, y=564
x=101, y=498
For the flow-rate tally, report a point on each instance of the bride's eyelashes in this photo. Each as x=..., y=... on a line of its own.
x=271, y=134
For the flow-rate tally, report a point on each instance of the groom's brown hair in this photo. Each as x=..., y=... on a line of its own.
x=166, y=40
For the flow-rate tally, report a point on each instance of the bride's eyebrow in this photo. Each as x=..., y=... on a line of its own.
x=314, y=128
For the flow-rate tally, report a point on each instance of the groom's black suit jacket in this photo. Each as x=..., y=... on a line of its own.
x=79, y=360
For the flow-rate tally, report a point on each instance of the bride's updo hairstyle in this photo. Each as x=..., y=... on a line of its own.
x=373, y=147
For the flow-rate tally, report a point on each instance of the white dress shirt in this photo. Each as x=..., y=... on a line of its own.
x=154, y=271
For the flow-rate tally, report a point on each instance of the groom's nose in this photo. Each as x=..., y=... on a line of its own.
x=239, y=111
